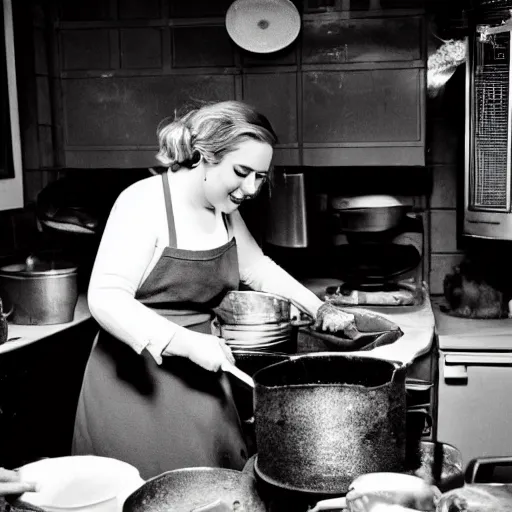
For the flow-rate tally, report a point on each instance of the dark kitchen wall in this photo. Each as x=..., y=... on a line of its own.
x=45, y=45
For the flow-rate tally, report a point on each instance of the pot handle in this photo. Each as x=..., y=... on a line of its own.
x=478, y=464
x=7, y=314
x=302, y=323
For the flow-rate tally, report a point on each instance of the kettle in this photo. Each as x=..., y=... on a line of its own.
x=288, y=213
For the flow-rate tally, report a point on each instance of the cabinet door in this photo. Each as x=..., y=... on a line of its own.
x=39, y=388
x=362, y=40
x=275, y=96
x=365, y=106
x=112, y=122
x=474, y=412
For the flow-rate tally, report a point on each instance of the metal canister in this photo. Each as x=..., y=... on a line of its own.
x=40, y=292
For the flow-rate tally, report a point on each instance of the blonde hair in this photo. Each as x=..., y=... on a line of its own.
x=210, y=132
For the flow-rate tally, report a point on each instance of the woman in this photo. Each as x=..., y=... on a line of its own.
x=173, y=246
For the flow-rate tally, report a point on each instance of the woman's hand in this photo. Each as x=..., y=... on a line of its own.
x=10, y=483
x=375, y=504
x=203, y=349
x=332, y=319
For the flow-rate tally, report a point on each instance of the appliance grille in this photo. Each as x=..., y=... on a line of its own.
x=489, y=176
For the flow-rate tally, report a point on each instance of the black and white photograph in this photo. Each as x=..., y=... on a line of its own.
x=256, y=256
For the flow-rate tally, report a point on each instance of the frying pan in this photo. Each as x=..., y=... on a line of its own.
x=189, y=489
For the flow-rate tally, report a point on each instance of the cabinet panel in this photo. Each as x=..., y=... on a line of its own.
x=362, y=106
x=85, y=49
x=135, y=9
x=202, y=46
x=474, y=414
x=126, y=111
x=363, y=156
x=80, y=10
x=141, y=48
x=275, y=95
x=285, y=57
x=362, y=40
x=198, y=8
x=39, y=393
x=361, y=5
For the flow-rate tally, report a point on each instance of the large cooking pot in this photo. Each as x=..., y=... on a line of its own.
x=322, y=420
x=40, y=292
x=188, y=489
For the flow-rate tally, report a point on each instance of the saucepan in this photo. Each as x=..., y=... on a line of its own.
x=197, y=489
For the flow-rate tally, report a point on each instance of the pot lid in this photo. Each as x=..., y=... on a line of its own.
x=263, y=26
x=33, y=266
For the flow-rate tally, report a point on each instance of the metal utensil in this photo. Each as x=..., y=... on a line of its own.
x=239, y=374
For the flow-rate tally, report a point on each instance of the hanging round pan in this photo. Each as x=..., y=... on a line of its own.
x=367, y=214
x=263, y=26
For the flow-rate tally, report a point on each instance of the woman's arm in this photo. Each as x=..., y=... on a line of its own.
x=126, y=250
x=262, y=274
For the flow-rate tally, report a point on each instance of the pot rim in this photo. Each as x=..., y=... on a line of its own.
x=20, y=270
x=196, y=469
x=398, y=368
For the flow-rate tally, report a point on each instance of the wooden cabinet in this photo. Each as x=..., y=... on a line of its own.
x=330, y=40
x=348, y=92
x=376, y=111
x=275, y=95
x=363, y=90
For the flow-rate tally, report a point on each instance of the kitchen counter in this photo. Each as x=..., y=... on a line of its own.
x=28, y=334
x=416, y=322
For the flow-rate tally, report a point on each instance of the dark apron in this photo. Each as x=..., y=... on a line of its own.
x=175, y=415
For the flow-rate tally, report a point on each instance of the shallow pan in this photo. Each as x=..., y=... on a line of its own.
x=184, y=490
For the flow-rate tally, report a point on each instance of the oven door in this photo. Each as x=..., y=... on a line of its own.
x=474, y=412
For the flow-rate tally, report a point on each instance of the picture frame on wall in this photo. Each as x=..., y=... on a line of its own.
x=11, y=170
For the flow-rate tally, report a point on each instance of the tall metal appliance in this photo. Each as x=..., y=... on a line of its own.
x=487, y=183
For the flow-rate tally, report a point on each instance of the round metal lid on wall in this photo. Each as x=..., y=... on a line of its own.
x=263, y=26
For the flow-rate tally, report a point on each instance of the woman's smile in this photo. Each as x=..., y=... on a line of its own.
x=238, y=176
x=237, y=200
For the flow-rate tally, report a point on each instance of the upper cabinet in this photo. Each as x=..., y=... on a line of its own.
x=348, y=92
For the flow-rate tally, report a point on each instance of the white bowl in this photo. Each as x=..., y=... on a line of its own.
x=80, y=483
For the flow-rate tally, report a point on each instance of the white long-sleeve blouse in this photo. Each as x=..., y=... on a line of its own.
x=134, y=238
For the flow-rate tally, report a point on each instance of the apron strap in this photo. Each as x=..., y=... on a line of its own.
x=227, y=222
x=170, y=215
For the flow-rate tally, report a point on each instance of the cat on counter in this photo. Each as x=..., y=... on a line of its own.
x=473, y=292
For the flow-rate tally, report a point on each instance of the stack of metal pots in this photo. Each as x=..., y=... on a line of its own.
x=257, y=321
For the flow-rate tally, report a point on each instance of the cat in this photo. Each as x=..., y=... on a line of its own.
x=472, y=292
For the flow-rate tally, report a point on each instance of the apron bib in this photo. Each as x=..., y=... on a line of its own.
x=175, y=415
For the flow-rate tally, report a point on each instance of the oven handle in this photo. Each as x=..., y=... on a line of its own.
x=478, y=359
x=456, y=365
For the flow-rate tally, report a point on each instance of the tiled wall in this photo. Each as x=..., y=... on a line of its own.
x=445, y=157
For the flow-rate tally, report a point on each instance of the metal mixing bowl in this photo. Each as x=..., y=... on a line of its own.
x=253, y=308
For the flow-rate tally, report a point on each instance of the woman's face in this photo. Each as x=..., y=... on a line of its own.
x=238, y=176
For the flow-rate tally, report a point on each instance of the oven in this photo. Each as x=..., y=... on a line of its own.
x=474, y=385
